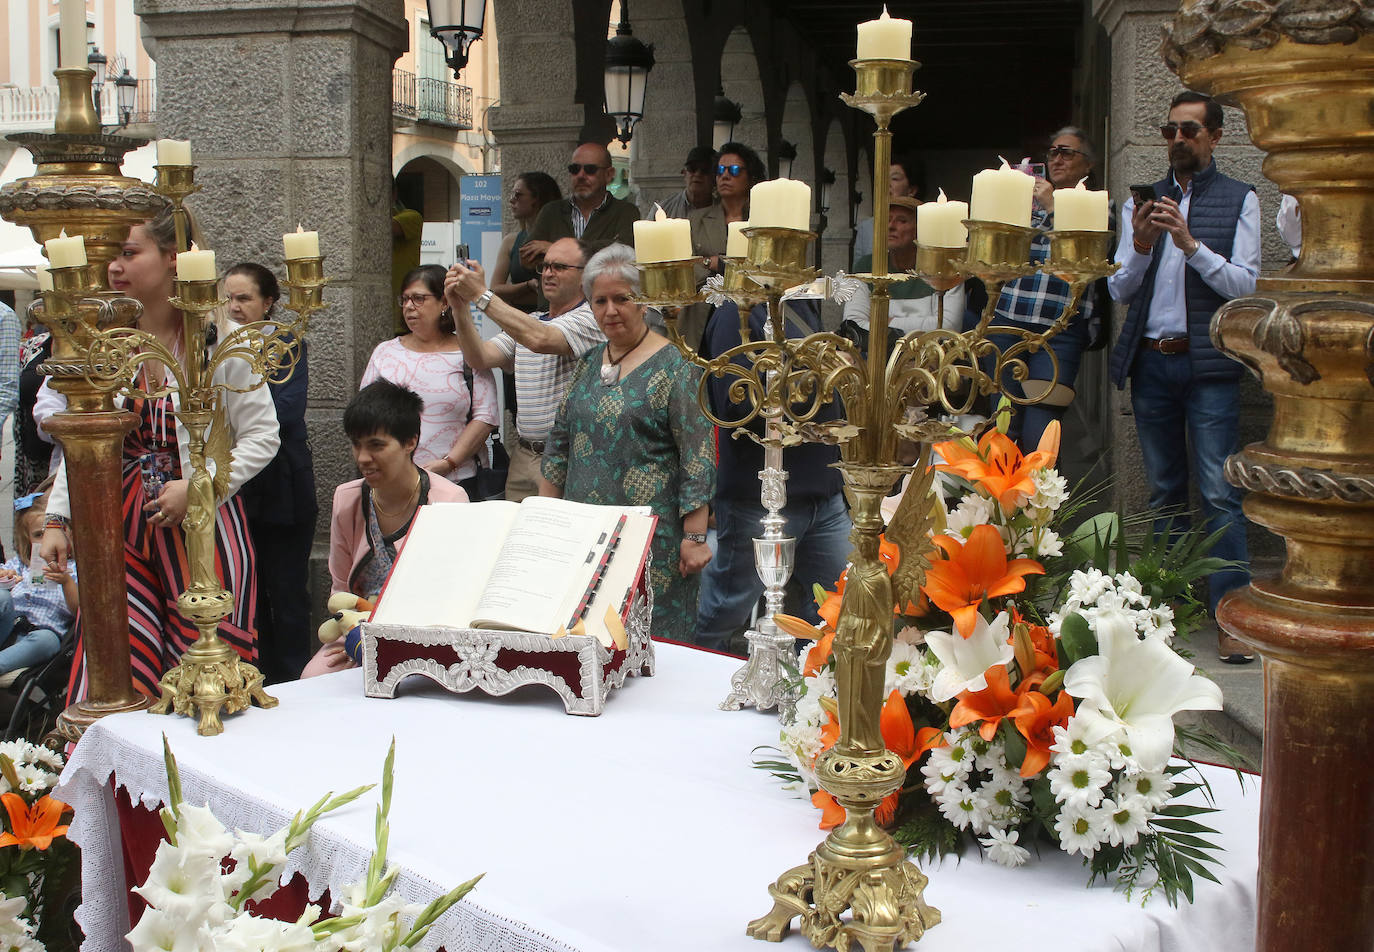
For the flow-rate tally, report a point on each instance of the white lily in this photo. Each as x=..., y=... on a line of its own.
x=1137, y=686
x=964, y=661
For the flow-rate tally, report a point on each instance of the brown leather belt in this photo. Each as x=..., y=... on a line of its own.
x=534, y=446
x=1167, y=346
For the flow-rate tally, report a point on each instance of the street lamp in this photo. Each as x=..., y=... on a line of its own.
x=787, y=154
x=96, y=61
x=457, y=24
x=628, y=62
x=827, y=180
x=126, y=91
x=724, y=116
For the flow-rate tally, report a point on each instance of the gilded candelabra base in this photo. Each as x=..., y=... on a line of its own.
x=211, y=679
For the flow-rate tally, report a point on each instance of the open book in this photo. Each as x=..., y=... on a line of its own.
x=542, y=565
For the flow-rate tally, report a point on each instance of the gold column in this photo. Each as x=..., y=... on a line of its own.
x=1306, y=83
x=77, y=187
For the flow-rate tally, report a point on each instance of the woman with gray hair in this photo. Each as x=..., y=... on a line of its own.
x=631, y=433
x=1035, y=302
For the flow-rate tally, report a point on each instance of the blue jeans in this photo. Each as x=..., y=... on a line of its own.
x=1029, y=421
x=1186, y=424
x=730, y=586
x=30, y=648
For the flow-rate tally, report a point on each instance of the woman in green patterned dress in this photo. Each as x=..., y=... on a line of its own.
x=631, y=433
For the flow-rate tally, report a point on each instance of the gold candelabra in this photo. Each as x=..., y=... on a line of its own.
x=860, y=869
x=97, y=353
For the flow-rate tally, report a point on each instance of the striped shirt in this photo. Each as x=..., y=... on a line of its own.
x=542, y=379
x=579, y=222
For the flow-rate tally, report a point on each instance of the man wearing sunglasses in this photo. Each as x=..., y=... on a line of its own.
x=1184, y=251
x=698, y=183
x=592, y=214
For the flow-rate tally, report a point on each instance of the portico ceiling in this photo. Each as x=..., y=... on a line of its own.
x=993, y=70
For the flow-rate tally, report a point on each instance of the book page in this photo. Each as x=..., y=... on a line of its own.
x=443, y=566
x=543, y=568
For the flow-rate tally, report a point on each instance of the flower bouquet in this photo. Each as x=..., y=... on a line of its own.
x=199, y=903
x=1032, y=687
x=34, y=850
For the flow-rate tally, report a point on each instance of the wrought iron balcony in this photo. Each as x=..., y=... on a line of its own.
x=436, y=101
x=33, y=108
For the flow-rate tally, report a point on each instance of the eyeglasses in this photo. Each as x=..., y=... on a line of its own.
x=587, y=168
x=557, y=267
x=1064, y=152
x=1189, y=129
x=415, y=299
x=731, y=170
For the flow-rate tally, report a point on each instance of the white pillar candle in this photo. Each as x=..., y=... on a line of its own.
x=736, y=243
x=71, y=23
x=1003, y=195
x=885, y=38
x=1079, y=209
x=173, y=152
x=44, y=277
x=662, y=238
x=781, y=203
x=64, y=252
x=196, y=265
x=301, y=244
x=940, y=224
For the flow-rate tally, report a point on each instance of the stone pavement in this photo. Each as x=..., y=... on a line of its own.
x=1240, y=722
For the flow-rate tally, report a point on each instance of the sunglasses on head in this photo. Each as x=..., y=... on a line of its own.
x=731, y=170
x=589, y=168
x=1189, y=129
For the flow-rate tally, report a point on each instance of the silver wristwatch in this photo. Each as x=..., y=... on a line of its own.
x=482, y=301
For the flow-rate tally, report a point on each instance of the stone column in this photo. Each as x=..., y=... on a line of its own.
x=669, y=129
x=538, y=123
x=1142, y=87
x=287, y=104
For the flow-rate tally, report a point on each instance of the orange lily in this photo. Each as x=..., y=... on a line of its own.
x=998, y=466
x=928, y=738
x=820, y=653
x=900, y=737
x=989, y=705
x=972, y=571
x=34, y=827
x=800, y=628
x=832, y=814
x=1036, y=719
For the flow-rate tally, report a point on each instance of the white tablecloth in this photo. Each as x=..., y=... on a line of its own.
x=644, y=828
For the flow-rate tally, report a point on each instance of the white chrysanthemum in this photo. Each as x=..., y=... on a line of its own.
x=946, y=765
x=1129, y=818
x=904, y=669
x=1003, y=849
x=1080, y=786
x=1154, y=787
x=962, y=807
x=1128, y=584
x=1051, y=490
x=973, y=510
x=1079, y=830
x=34, y=779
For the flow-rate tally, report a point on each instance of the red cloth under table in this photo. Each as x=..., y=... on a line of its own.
x=140, y=834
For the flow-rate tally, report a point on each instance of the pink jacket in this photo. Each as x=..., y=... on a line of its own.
x=348, y=530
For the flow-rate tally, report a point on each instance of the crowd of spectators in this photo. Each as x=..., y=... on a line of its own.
x=601, y=408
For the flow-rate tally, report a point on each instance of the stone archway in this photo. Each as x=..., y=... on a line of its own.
x=739, y=77
x=796, y=129
x=838, y=236
x=669, y=128
x=430, y=185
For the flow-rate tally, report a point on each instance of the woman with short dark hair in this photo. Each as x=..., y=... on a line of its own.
x=280, y=500
x=459, y=403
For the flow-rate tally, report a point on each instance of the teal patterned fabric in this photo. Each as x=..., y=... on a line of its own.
x=640, y=442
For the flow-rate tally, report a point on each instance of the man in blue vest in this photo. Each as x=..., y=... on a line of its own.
x=1182, y=254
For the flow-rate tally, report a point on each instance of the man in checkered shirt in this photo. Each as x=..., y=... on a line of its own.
x=541, y=349
x=1037, y=301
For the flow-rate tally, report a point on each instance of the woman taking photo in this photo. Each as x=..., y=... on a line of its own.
x=459, y=403
x=631, y=433
x=157, y=468
x=280, y=501
x=511, y=281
